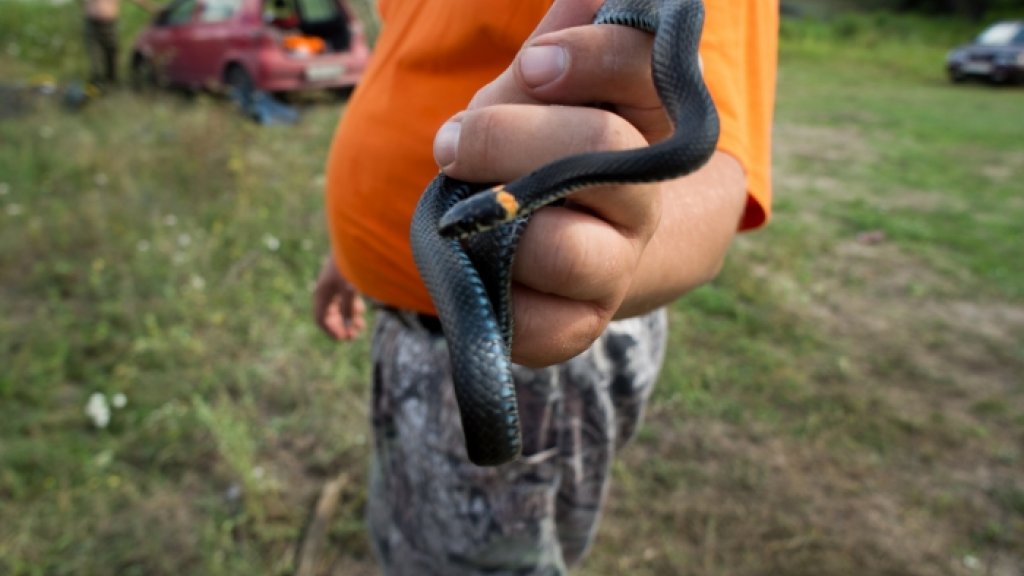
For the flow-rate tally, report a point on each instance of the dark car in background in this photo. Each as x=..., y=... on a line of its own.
x=997, y=54
x=270, y=45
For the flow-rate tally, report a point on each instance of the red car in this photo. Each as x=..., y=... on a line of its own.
x=269, y=45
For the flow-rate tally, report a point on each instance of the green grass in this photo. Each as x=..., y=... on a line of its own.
x=845, y=399
x=163, y=267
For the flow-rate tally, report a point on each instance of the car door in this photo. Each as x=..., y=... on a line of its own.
x=210, y=38
x=169, y=42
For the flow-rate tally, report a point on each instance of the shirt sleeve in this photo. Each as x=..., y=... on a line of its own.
x=739, y=49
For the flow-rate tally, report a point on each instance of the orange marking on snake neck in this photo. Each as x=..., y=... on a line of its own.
x=508, y=202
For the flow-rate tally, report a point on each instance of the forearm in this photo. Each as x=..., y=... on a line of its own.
x=700, y=214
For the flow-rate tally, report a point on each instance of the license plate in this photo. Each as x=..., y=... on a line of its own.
x=324, y=72
x=978, y=67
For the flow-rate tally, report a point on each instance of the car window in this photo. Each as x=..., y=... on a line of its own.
x=318, y=10
x=1019, y=40
x=219, y=10
x=178, y=13
x=1001, y=34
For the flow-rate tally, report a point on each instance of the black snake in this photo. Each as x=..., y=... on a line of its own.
x=464, y=235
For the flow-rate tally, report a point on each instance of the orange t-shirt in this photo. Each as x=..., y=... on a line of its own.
x=433, y=55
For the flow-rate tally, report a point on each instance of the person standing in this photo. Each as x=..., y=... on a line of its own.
x=591, y=278
x=101, y=39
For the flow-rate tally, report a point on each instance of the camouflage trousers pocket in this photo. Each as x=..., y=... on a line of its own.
x=433, y=512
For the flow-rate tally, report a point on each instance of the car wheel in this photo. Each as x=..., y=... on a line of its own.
x=143, y=74
x=238, y=82
x=342, y=94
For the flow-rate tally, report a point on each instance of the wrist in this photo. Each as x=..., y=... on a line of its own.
x=700, y=218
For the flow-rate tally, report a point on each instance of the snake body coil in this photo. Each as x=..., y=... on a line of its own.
x=464, y=235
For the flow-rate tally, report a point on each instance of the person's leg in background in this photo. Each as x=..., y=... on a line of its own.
x=101, y=44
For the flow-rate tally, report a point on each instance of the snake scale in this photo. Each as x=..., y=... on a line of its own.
x=464, y=235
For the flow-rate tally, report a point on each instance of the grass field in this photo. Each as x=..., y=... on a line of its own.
x=846, y=399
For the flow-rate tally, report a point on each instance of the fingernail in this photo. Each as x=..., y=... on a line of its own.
x=540, y=65
x=446, y=143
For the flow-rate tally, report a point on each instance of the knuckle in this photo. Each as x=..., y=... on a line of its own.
x=481, y=141
x=611, y=132
x=588, y=260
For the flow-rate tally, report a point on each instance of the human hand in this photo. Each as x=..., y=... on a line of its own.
x=337, y=307
x=575, y=263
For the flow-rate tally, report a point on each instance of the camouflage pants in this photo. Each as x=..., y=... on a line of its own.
x=101, y=44
x=432, y=513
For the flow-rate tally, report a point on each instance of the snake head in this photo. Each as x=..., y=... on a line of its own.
x=479, y=213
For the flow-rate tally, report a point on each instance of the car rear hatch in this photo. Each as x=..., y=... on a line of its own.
x=308, y=20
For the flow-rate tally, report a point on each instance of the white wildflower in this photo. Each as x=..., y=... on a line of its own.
x=119, y=400
x=271, y=242
x=5, y=188
x=98, y=410
x=971, y=562
x=142, y=245
x=184, y=240
x=197, y=282
x=14, y=209
x=170, y=220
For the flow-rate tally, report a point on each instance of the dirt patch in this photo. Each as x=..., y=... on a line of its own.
x=820, y=144
x=1002, y=167
x=877, y=297
x=919, y=201
x=940, y=377
x=764, y=505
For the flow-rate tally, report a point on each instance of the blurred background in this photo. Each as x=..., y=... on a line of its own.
x=847, y=398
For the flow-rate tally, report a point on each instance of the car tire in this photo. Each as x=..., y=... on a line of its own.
x=342, y=94
x=238, y=82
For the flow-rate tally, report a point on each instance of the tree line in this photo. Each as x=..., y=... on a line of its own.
x=973, y=9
